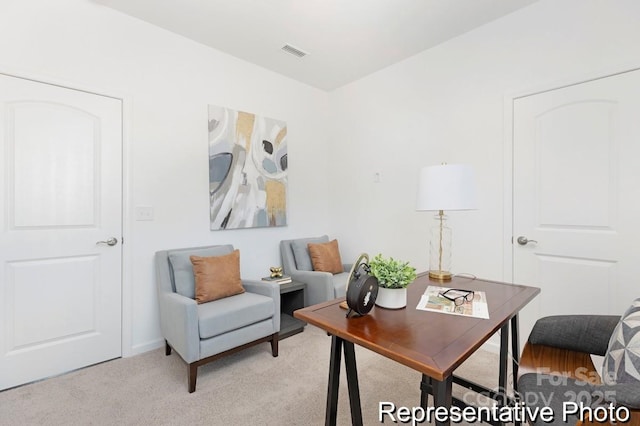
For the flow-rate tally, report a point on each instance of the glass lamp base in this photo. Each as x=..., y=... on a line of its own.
x=440, y=275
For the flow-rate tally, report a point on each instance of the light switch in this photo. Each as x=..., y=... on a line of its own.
x=144, y=213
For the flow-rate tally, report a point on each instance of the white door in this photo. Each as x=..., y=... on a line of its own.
x=61, y=192
x=576, y=192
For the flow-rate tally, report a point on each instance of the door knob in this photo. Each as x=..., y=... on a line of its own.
x=523, y=241
x=110, y=242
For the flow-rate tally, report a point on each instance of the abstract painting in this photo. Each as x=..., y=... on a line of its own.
x=247, y=170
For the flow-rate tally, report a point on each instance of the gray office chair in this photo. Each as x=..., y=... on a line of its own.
x=556, y=365
x=321, y=286
x=202, y=333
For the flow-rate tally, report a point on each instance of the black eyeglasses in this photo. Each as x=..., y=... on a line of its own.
x=457, y=296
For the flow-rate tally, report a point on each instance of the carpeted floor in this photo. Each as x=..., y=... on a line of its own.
x=247, y=388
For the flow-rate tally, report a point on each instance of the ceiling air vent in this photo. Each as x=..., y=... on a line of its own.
x=294, y=51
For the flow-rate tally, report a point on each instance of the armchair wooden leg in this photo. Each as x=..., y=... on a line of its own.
x=167, y=348
x=274, y=344
x=193, y=367
x=193, y=375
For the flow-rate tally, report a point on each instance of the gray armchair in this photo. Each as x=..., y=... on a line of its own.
x=202, y=333
x=556, y=368
x=321, y=286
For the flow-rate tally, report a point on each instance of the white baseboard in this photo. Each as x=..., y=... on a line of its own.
x=145, y=347
x=492, y=345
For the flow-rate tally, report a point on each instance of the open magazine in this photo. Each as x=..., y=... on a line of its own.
x=433, y=300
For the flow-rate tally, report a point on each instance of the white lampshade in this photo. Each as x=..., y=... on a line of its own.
x=446, y=187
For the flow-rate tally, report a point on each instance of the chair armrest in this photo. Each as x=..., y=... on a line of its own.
x=179, y=324
x=319, y=285
x=268, y=289
x=627, y=394
x=582, y=333
x=264, y=288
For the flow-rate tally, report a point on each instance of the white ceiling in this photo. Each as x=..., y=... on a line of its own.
x=346, y=39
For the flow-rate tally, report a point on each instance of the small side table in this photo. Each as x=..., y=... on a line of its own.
x=291, y=299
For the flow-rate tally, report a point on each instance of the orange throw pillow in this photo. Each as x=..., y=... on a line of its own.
x=325, y=257
x=217, y=276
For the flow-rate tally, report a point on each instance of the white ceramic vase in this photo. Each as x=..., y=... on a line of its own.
x=391, y=298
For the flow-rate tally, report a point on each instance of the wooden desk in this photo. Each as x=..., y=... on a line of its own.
x=432, y=343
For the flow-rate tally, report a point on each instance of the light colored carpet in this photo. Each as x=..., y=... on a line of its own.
x=247, y=388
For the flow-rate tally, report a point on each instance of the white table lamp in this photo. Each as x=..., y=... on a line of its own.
x=440, y=188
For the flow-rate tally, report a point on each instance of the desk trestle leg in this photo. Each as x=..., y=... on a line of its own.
x=339, y=345
x=425, y=390
x=352, y=383
x=331, y=412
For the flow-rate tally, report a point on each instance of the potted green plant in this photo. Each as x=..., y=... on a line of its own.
x=393, y=278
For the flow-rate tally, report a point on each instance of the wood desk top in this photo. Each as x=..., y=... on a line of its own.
x=430, y=342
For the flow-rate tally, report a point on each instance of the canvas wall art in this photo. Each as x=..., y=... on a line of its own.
x=248, y=165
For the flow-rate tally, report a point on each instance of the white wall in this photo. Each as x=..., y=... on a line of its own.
x=446, y=104
x=167, y=82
